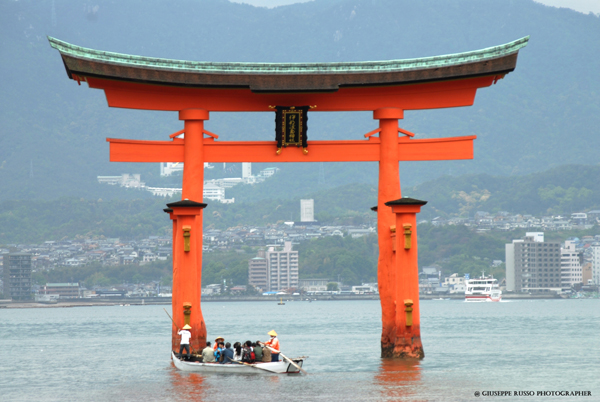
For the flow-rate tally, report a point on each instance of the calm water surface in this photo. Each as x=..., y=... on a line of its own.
x=122, y=353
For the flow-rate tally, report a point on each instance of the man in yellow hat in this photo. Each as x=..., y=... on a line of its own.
x=218, y=339
x=273, y=344
x=185, y=340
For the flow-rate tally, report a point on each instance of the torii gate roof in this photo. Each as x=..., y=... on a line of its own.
x=138, y=82
x=82, y=62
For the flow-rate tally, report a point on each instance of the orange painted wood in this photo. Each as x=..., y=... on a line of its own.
x=388, y=189
x=406, y=97
x=430, y=149
x=187, y=277
x=187, y=265
x=408, y=339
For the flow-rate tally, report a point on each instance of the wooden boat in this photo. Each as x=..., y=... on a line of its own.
x=281, y=367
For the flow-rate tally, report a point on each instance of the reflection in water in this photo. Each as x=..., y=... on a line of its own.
x=399, y=379
x=188, y=386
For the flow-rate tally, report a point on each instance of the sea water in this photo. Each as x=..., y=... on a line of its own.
x=121, y=353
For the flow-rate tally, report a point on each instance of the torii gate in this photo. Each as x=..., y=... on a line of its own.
x=387, y=88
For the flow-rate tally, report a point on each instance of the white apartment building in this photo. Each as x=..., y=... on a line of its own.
x=246, y=170
x=570, y=266
x=164, y=191
x=168, y=168
x=307, y=210
x=282, y=271
x=455, y=283
x=596, y=263
x=213, y=192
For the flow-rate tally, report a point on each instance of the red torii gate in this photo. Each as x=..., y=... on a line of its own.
x=387, y=88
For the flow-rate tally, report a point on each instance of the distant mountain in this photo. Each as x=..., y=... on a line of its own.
x=52, y=132
x=561, y=190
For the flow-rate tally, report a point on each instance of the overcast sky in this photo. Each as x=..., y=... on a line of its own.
x=584, y=6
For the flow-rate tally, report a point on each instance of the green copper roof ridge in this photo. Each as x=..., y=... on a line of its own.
x=288, y=68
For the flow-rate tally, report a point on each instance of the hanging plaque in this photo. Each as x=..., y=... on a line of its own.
x=290, y=127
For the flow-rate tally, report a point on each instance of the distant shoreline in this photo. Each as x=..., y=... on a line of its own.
x=126, y=302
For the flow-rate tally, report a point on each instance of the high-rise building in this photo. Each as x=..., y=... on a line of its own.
x=17, y=276
x=246, y=170
x=307, y=210
x=533, y=265
x=570, y=265
x=257, y=272
x=596, y=263
x=282, y=268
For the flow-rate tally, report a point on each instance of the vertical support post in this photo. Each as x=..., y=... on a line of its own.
x=193, y=153
x=408, y=324
x=186, y=273
x=389, y=189
x=187, y=265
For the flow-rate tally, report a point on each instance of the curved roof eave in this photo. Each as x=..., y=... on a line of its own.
x=289, y=68
x=83, y=62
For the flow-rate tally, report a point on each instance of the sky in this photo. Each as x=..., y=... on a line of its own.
x=584, y=6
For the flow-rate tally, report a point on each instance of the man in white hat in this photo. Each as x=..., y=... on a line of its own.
x=273, y=344
x=185, y=340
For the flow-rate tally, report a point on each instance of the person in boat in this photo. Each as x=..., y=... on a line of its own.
x=258, y=351
x=208, y=354
x=227, y=354
x=185, y=340
x=248, y=353
x=218, y=340
x=219, y=352
x=237, y=352
x=266, y=355
x=273, y=344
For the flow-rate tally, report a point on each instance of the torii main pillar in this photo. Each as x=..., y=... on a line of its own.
x=389, y=189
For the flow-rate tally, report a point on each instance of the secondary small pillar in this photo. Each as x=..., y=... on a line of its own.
x=187, y=269
x=408, y=324
x=389, y=189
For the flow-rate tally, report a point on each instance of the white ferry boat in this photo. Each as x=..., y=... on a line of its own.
x=482, y=289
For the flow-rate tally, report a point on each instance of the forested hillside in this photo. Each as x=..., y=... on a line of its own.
x=52, y=131
x=564, y=190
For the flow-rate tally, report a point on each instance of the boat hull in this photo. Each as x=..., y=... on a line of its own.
x=281, y=367
x=483, y=298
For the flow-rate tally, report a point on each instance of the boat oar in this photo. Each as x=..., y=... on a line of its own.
x=171, y=319
x=285, y=357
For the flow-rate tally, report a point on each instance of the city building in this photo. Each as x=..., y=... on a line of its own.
x=61, y=290
x=307, y=210
x=282, y=268
x=586, y=273
x=168, y=168
x=257, y=271
x=570, y=265
x=313, y=285
x=17, y=276
x=533, y=265
x=125, y=180
x=596, y=263
x=213, y=192
x=246, y=170
x=455, y=283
